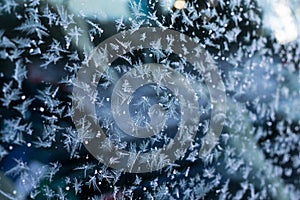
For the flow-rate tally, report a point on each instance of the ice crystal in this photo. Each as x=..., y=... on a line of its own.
x=46, y=46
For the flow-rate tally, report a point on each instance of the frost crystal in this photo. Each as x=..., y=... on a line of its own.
x=143, y=122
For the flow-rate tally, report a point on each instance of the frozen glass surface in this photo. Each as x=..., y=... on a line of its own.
x=170, y=99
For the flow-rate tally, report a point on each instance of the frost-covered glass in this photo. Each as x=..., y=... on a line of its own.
x=129, y=99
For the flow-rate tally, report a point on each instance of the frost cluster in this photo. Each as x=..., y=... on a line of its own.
x=43, y=46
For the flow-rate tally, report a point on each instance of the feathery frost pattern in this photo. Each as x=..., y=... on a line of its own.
x=168, y=100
